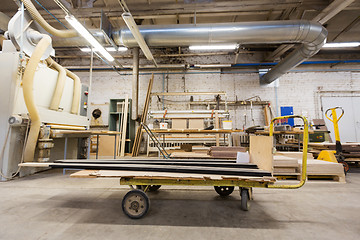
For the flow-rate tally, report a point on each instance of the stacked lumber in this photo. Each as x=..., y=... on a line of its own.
x=290, y=163
x=351, y=151
x=225, y=152
x=285, y=165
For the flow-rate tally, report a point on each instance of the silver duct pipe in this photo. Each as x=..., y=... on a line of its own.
x=311, y=36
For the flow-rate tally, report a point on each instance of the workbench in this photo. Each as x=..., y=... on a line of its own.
x=174, y=142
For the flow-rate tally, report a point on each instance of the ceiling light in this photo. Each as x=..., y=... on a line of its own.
x=130, y=23
x=214, y=47
x=90, y=38
x=109, y=49
x=341, y=45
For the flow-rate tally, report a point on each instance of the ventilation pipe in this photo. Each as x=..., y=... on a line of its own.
x=311, y=36
x=76, y=94
x=28, y=83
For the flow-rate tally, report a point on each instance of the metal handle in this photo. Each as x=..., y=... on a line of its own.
x=304, y=157
x=333, y=114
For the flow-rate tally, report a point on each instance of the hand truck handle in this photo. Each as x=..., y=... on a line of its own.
x=334, y=109
x=304, y=155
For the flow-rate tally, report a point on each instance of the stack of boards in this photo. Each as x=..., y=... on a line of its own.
x=225, y=152
x=176, y=166
x=290, y=163
x=351, y=151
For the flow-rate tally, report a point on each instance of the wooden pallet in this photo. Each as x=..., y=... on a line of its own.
x=296, y=176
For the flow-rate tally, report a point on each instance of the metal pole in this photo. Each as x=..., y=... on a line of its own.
x=135, y=84
x=115, y=146
x=90, y=82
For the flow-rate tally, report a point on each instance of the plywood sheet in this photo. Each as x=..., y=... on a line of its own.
x=179, y=124
x=261, y=148
x=106, y=145
x=196, y=124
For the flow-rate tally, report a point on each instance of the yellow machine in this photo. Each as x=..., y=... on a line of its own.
x=334, y=156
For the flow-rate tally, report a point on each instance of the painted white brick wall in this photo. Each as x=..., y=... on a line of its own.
x=297, y=89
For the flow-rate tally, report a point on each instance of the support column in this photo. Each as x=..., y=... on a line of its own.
x=135, y=84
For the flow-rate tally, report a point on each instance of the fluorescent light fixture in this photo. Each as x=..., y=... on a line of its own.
x=89, y=37
x=130, y=23
x=109, y=49
x=341, y=45
x=214, y=47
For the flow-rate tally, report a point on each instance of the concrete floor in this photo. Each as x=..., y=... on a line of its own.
x=50, y=205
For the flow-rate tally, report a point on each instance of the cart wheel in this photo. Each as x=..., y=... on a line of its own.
x=154, y=188
x=346, y=166
x=224, y=190
x=135, y=204
x=245, y=203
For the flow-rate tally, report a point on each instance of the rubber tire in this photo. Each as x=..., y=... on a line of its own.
x=143, y=195
x=224, y=191
x=245, y=202
x=346, y=167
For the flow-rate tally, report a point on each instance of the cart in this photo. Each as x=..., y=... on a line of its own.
x=136, y=202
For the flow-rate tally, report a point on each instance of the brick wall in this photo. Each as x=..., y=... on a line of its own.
x=297, y=89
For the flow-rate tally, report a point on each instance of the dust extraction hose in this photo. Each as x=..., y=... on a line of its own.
x=76, y=95
x=59, y=89
x=39, y=19
x=28, y=83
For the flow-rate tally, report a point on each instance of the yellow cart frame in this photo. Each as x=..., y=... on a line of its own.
x=136, y=203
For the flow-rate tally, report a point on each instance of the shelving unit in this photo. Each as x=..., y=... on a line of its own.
x=115, y=116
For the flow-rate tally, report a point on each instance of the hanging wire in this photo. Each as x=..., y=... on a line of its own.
x=50, y=13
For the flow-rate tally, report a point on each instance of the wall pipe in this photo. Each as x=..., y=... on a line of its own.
x=246, y=65
x=59, y=89
x=76, y=94
x=135, y=84
x=28, y=83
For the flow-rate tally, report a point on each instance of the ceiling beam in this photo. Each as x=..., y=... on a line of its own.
x=325, y=15
x=347, y=28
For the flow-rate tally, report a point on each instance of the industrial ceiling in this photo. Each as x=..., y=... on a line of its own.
x=340, y=18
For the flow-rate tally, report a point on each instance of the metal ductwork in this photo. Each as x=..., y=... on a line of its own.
x=311, y=36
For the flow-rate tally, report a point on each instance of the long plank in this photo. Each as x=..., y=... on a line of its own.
x=166, y=168
x=124, y=126
x=155, y=159
x=198, y=164
x=136, y=147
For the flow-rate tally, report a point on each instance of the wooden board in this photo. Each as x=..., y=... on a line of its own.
x=284, y=170
x=167, y=168
x=261, y=148
x=296, y=155
x=137, y=141
x=179, y=124
x=283, y=161
x=117, y=174
x=217, y=126
x=124, y=125
x=197, y=124
x=84, y=174
x=106, y=145
x=190, y=155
